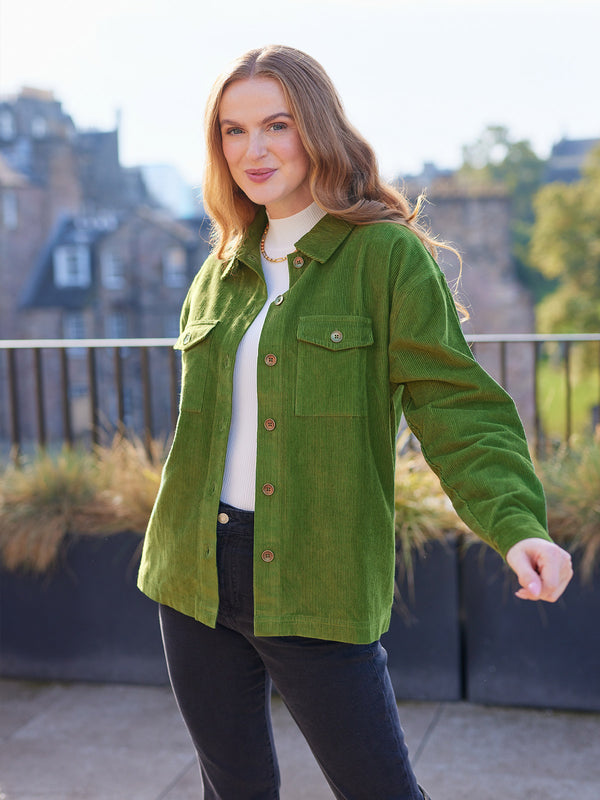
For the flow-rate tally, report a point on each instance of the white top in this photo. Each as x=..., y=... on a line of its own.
x=239, y=479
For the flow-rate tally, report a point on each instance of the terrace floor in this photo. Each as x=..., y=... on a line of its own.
x=117, y=742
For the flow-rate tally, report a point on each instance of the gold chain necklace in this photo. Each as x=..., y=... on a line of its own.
x=262, y=249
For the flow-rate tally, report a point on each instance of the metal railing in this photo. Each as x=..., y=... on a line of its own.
x=537, y=343
x=54, y=391
x=122, y=389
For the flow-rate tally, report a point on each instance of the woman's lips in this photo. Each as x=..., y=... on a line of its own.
x=259, y=175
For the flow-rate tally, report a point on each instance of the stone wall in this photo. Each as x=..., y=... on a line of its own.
x=477, y=224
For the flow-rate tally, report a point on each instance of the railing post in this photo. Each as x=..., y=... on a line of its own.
x=39, y=396
x=503, y=370
x=568, y=393
x=13, y=403
x=146, y=399
x=120, y=390
x=66, y=400
x=537, y=348
x=93, y=387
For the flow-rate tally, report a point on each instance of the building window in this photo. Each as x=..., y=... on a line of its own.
x=72, y=266
x=174, y=267
x=116, y=325
x=113, y=271
x=74, y=328
x=7, y=125
x=10, y=210
x=74, y=325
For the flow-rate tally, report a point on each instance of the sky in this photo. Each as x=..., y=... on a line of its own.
x=418, y=78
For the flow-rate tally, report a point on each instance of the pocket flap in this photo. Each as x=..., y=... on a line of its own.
x=336, y=332
x=193, y=333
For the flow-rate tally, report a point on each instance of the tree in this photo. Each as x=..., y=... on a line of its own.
x=496, y=158
x=565, y=247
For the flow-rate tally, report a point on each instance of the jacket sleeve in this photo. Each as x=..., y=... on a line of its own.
x=468, y=426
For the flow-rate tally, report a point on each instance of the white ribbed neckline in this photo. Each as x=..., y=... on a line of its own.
x=285, y=232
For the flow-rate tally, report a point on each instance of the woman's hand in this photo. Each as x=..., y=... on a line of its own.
x=543, y=569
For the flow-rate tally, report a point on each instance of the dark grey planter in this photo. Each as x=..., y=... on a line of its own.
x=423, y=643
x=84, y=620
x=529, y=654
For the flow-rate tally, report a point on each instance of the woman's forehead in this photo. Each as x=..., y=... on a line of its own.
x=254, y=97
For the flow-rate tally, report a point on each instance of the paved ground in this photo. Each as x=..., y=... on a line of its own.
x=115, y=742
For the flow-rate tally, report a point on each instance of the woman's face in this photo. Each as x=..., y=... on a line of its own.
x=262, y=146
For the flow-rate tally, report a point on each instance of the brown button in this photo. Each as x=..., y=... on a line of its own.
x=270, y=360
x=298, y=262
x=278, y=300
x=223, y=518
x=336, y=336
x=270, y=424
x=268, y=488
x=267, y=555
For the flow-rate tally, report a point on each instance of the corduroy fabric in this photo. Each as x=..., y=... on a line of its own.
x=367, y=329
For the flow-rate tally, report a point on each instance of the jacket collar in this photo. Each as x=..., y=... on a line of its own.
x=319, y=243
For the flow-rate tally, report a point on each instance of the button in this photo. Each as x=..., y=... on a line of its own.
x=336, y=336
x=268, y=489
x=223, y=518
x=270, y=424
x=187, y=337
x=267, y=555
x=278, y=300
x=270, y=360
x=298, y=262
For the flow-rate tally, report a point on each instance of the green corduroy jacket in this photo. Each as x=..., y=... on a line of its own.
x=367, y=330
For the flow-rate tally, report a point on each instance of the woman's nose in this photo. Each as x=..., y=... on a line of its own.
x=257, y=146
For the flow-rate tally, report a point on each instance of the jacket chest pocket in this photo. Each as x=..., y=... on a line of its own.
x=194, y=343
x=332, y=364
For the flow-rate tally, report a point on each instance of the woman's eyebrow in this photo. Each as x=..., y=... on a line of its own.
x=266, y=120
x=274, y=116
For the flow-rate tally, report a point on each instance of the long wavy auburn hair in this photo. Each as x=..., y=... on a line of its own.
x=344, y=177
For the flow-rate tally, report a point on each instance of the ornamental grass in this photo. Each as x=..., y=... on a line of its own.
x=49, y=496
x=571, y=480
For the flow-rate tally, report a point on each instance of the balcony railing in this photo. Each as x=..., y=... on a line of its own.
x=54, y=391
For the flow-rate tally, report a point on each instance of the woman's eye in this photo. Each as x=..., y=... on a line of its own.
x=234, y=131
x=279, y=126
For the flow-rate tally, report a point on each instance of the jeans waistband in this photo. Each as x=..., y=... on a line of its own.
x=236, y=514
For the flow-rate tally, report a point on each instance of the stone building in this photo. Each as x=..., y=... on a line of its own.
x=476, y=221
x=85, y=252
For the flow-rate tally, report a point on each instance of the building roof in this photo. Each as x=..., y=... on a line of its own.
x=567, y=159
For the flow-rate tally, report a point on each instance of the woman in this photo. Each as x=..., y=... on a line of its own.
x=318, y=319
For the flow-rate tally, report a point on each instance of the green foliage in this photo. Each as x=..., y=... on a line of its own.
x=552, y=389
x=495, y=158
x=565, y=246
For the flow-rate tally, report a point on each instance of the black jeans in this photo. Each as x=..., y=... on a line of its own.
x=339, y=694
